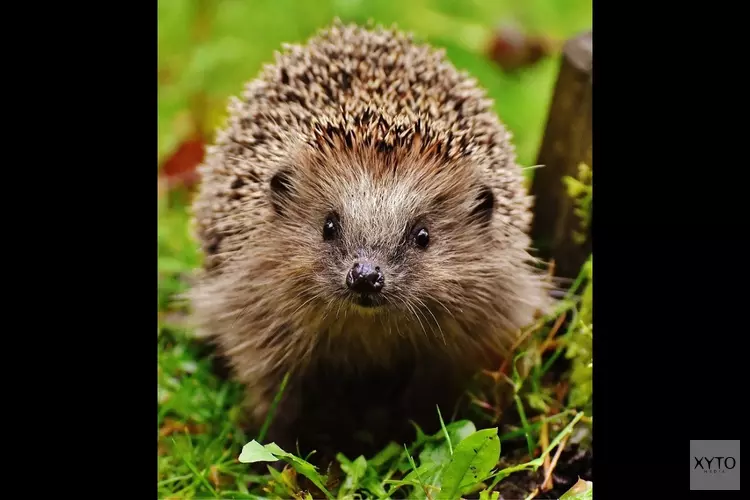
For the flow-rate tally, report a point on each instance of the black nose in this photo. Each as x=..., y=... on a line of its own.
x=365, y=278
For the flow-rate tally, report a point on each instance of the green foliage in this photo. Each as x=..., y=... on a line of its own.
x=580, y=347
x=197, y=421
x=360, y=474
x=473, y=460
x=582, y=490
x=581, y=190
x=487, y=495
x=177, y=252
x=456, y=461
x=580, y=337
x=254, y=452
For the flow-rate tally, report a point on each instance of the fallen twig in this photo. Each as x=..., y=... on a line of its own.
x=547, y=484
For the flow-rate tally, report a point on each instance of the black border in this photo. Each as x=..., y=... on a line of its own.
x=85, y=398
x=667, y=366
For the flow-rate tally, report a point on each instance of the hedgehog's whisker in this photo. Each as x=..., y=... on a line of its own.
x=440, y=303
x=380, y=318
x=315, y=296
x=385, y=318
x=341, y=303
x=327, y=309
x=396, y=320
x=403, y=302
x=411, y=308
x=437, y=323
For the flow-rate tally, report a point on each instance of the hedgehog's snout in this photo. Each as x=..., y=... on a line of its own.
x=365, y=277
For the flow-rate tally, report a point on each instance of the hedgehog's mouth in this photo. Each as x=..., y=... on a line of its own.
x=366, y=300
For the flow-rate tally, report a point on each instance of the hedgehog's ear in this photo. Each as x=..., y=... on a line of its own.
x=280, y=189
x=484, y=205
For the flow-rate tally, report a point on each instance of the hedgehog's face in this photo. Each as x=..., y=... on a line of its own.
x=373, y=240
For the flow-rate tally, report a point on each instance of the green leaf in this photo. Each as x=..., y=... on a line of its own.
x=459, y=430
x=472, y=460
x=445, y=431
x=301, y=466
x=355, y=471
x=255, y=452
x=536, y=401
x=574, y=187
x=582, y=490
x=284, y=480
x=435, y=454
x=418, y=492
x=276, y=475
x=371, y=482
x=532, y=465
x=423, y=470
x=437, y=450
x=486, y=495
x=391, y=451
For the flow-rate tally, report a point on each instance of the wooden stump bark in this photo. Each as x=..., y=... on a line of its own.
x=566, y=144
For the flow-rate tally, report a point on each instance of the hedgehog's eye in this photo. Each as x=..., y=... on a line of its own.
x=331, y=227
x=421, y=236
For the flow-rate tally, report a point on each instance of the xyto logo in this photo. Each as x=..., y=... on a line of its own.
x=714, y=465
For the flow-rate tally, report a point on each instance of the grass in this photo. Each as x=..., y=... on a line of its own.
x=207, y=50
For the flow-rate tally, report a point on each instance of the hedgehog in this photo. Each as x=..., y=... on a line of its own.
x=364, y=228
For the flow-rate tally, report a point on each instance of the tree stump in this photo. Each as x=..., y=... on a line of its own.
x=566, y=144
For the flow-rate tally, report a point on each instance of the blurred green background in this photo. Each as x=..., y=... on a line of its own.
x=209, y=48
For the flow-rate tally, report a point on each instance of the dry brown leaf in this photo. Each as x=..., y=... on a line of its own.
x=179, y=169
x=172, y=426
